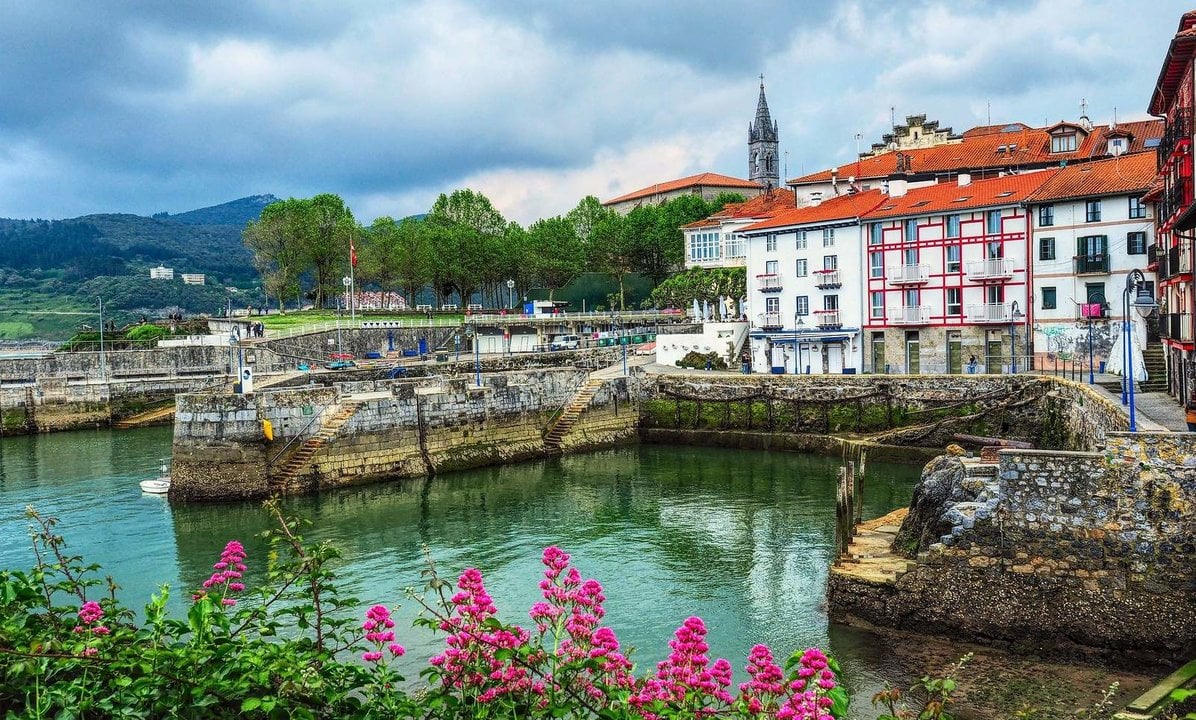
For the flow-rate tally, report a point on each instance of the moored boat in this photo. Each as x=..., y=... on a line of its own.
x=157, y=486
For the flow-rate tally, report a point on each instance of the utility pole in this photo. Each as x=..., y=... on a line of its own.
x=103, y=365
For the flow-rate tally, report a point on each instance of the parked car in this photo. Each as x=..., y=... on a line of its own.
x=341, y=365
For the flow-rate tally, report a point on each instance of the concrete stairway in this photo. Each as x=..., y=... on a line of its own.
x=299, y=459
x=570, y=414
x=1156, y=369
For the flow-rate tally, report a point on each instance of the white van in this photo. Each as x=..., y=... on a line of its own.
x=565, y=342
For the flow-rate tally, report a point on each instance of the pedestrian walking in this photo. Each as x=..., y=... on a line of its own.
x=972, y=365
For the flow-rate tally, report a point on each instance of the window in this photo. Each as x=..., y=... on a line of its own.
x=1092, y=211
x=830, y=262
x=954, y=254
x=1063, y=143
x=1135, y=243
x=1048, y=298
x=993, y=222
x=772, y=305
x=1046, y=215
x=911, y=230
x=770, y=267
x=994, y=294
x=954, y=301
x=703, y=246
x=994, y=250
x=802, y=267
x=830, y=302
x=828, y=237
x=1137, y=208
x=912, y=297
x=952, y=226
x=910, y=256
x=877, y=303
x=803, y=305
x=1094, y=292
x=876, y=264
x=875, y=234
x=801, y=240
x=770, y=242
x=1046, y=248
x=1092, y=246
x=736, y=248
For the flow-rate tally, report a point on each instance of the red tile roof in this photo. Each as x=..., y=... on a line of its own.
x=951, y=198
x=760, y=206
x=1131, y=174
x=693, y=181
x=841, y=207
x=1179, y=54
x=1011, y=146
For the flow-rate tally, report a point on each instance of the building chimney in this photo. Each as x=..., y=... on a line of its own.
x=965, y=179
x=898, y=188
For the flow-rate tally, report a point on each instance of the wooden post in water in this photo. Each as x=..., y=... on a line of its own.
x=841, y=518
x=851, y=507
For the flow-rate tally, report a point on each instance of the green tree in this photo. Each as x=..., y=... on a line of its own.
x=471, y=241
x=557, y=252
x=278, y=255
x=396, y=255
x=329, y=228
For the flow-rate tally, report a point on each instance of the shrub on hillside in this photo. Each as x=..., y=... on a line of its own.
x=697, y=361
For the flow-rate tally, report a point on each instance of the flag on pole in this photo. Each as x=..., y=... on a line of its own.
x=352, y=253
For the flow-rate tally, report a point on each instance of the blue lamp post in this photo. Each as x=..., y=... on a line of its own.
x=797, y=326
x=477, y=356
x=1014, y=314
x=1144, y=303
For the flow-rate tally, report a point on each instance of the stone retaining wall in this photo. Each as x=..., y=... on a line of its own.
x=401, y=428
x=1083, y=552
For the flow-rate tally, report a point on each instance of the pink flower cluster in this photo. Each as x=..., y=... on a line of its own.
x=90, y=616
x=378, y=630
x=808, y=699
x=227, y=577
x=686, y=677
x=470, y=661
x=572, y=612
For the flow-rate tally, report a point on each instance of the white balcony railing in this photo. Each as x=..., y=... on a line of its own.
x=990, y=269
x=908, y=274
x=989, y=313
x=771, y=320
x=909, y=315
x=827, y=278
x=769, y=283
x=828, y=318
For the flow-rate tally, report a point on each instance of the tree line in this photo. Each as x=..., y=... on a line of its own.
x=464, y=248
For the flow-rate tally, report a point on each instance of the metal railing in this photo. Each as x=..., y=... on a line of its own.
x=827, y=278
x=770, y=282
x=990, y=269
x=909, y=315
x=316, y=416
x=908, y=274
x=989, y=313
x=1176, y=326
x=1179, y=129
x=828, y=318
x=771, y=320
x=1094, y=263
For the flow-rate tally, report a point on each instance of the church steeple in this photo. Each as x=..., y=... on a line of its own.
x=763, y=142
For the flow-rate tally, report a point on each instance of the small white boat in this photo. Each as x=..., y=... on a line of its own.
x=157, y=486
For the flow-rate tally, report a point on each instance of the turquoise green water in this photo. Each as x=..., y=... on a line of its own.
x=741, y=539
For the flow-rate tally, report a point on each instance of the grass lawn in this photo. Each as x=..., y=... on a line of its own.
x=26, y=313
x=292, y=319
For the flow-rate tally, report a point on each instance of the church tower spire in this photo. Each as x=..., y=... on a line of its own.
x=763, y=142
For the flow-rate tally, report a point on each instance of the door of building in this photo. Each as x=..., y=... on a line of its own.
x=954, y=354
x=992, y=356
x=834, y=358
x=878, y=353
x=913, y=359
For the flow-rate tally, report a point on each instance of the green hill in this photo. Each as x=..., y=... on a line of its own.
x=60, y=266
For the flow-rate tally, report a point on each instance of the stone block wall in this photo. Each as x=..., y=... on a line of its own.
x=400, y=428
x=1083, y=552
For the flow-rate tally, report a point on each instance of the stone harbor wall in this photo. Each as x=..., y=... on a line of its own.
x=394, y=429
x=1049, y=551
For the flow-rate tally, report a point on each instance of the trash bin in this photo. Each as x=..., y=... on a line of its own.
x=1102, y=366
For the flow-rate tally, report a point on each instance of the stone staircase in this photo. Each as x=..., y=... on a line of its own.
x=300, y=458
x=570, y=414
x=1156, y=369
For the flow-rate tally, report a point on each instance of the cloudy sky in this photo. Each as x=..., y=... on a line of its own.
x=143, y=106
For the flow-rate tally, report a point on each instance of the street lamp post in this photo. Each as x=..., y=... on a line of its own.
x=1144, y=303
x=797, y=325
x=510, y=294
x=472, y=332
x=1014, y=314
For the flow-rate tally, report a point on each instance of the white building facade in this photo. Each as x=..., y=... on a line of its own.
x=803, y=280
